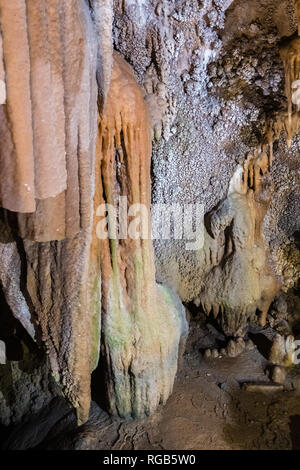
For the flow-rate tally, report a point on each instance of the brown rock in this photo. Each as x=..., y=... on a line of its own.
x=278, y=375
x=142, y=323
x=48, y=124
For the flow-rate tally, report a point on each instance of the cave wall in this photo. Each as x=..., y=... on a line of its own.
x=213, y=77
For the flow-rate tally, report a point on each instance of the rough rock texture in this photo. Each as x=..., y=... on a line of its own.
x=214, y=79
x=26, y=387
x=11, y=270
x=142, y=322
x=209, y=409
x=26, y=384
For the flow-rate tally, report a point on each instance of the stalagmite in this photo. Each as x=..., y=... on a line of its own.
x=241, y=284
x=142, y=322
x=48, y=130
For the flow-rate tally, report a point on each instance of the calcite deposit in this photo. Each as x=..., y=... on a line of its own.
x=161, y=101
x=142, y=322
x=48, y=132
x=59, y=280
x=240, y=285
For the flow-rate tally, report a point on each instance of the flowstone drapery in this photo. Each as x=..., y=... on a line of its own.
x=58, y=278
x=142, y=322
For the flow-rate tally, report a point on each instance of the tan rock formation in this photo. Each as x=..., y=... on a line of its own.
x=48, y=121
x=48, y=130
x=240, y=285
x=142, y=322
x=51, y=275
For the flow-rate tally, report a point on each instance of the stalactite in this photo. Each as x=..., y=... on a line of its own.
x=141, y=322
x=52, y=104
x=288, y=121
x=241, y=283
x=246, y=263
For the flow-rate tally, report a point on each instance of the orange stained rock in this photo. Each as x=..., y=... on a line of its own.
x=125, y=152
x=290, y=55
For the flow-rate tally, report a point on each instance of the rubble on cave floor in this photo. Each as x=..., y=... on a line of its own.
x=210, y=408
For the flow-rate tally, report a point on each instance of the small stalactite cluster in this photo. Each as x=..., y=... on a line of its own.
x=240, y=284
x=289, y=120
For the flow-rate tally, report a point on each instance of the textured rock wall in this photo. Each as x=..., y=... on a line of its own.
x=216, y=81
x=26, y=384
x=214, y=78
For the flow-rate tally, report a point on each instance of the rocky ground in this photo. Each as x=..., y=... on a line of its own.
x=212, y=407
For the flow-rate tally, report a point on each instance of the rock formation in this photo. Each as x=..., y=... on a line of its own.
x=217, y=276
x=48, y=181
x=49, y=141
x=240, y=285
x=142, y=322
x=201, y=96
x=56, y=276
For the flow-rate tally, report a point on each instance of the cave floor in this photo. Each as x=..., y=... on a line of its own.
x=209, y=409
